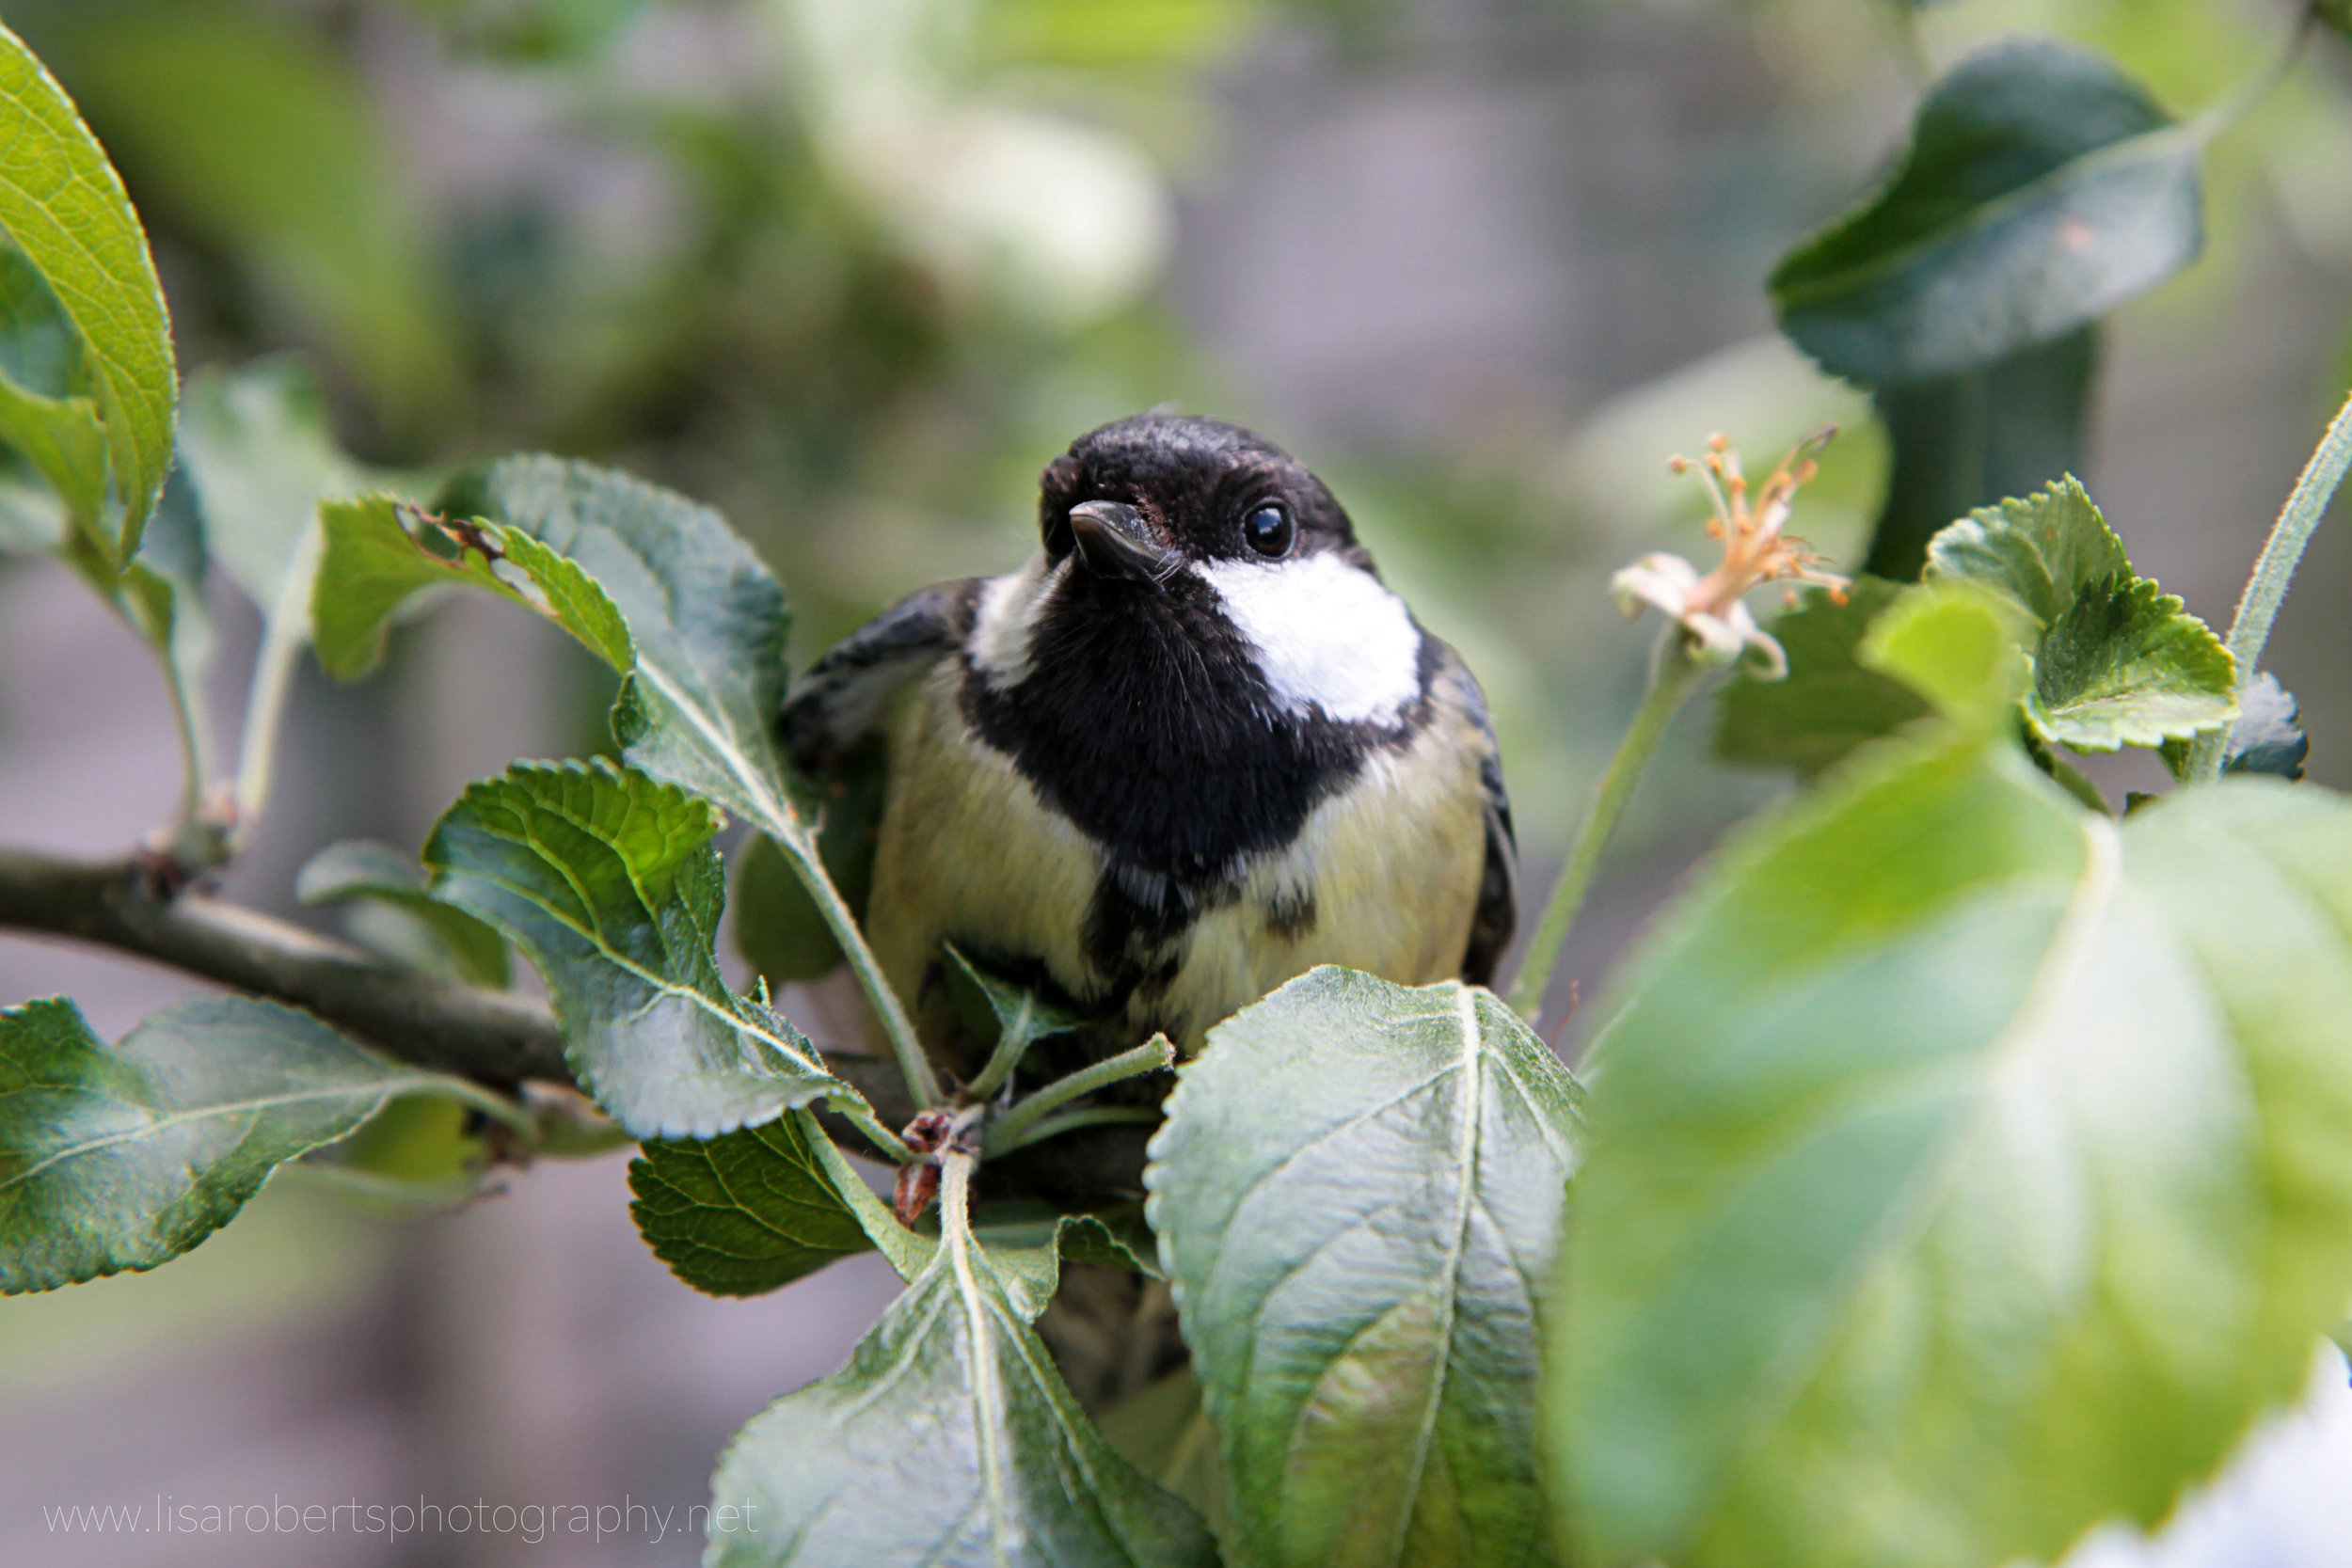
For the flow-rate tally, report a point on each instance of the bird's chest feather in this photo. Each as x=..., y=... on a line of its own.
x=1168, y=916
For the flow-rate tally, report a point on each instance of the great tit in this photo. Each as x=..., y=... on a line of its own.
x=1193, y=748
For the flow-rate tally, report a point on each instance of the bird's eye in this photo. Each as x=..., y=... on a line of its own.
x=1268, y=532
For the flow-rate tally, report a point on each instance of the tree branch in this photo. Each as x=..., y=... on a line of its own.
x=494, y=1038
x=491, y=1037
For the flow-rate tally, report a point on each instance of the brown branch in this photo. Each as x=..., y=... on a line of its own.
x=491, y=1037
x=494, y=1038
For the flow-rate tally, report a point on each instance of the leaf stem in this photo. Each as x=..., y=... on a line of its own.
x=2274, y=570
x=853, y=1108
x=800, y=848
x=1006, y=1132
x=1674, y=673
x=288, y=633
x=1069, y=1121
x=2226, y=111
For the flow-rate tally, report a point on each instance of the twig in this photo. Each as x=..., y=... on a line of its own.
x=490, y=1037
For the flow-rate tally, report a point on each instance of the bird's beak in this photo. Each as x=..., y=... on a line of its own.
x=1115, y=541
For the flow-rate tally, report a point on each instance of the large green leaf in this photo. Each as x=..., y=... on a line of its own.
x=1829, y=703
x=2042, y=189
x=123, y=1158
x=2118, y=661
x=63, y=203
x=948, y=1439
x=46, y=412
x=359, y=870
x=1962, y=441
x=607, y=878
x=1358, y=1191
x=1965, y=1170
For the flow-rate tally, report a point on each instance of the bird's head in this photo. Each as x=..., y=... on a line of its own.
x=1210, y=543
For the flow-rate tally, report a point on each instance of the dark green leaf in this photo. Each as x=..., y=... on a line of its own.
x=125, y=1158
x=606, y=879
x=2042, y=189
x=743, y=1214
x=1358, y=1191
x=64, y=206
x=1829, y=703
x=948, y=1439
x=2337, y=14
x=1967, y=440
x=357, y=869
x=370, y=564
x=1965, y=1170
x=2118, y=661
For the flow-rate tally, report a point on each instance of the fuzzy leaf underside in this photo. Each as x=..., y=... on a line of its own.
x=125, y=1157
x=1966, y=1171
x=949, y=1439
x=1358, y=1192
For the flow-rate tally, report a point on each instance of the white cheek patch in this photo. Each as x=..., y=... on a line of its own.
x=1328, y=635
x=1005, y=616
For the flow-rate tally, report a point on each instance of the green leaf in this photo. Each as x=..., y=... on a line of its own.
x=1165, y=1433
x=2042, y=189
x=370, y=564
x=1965, y=1170
x=2118, y=661
x=1957, y=645
x=744, y=1213
x=1829, y=703
x=64, y=206
x=2337, y=14
x=706, y=618
x=1963, y=441
x=949, y=1438
x=1358, y=1191
x=45, y=410
x=125, y=1158
x=359, y=869
x=606, y=879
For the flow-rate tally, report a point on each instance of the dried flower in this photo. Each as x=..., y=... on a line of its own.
x=1711, y=607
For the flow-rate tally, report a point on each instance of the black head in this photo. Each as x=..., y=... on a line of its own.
x=1142, y=497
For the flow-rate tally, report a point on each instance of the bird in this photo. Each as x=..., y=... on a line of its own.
x=1190, y=750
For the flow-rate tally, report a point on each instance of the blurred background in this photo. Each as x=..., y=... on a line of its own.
x=852, y=271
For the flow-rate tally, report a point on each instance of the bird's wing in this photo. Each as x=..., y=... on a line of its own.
x=836, y=705
x=1496, y=917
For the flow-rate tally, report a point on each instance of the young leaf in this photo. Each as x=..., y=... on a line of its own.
x=1829, y=703
x=357, y=869
x=1959, y=442
x=370, y=564
x=1965, y=1170
x=1358, y=1191
x=125, y=1158
x=2042, y=189
x=2118, y=661
x=2268, y=738
x=948, y=1438
x=64, y=206
x=606, y=879
x=743, y=1214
